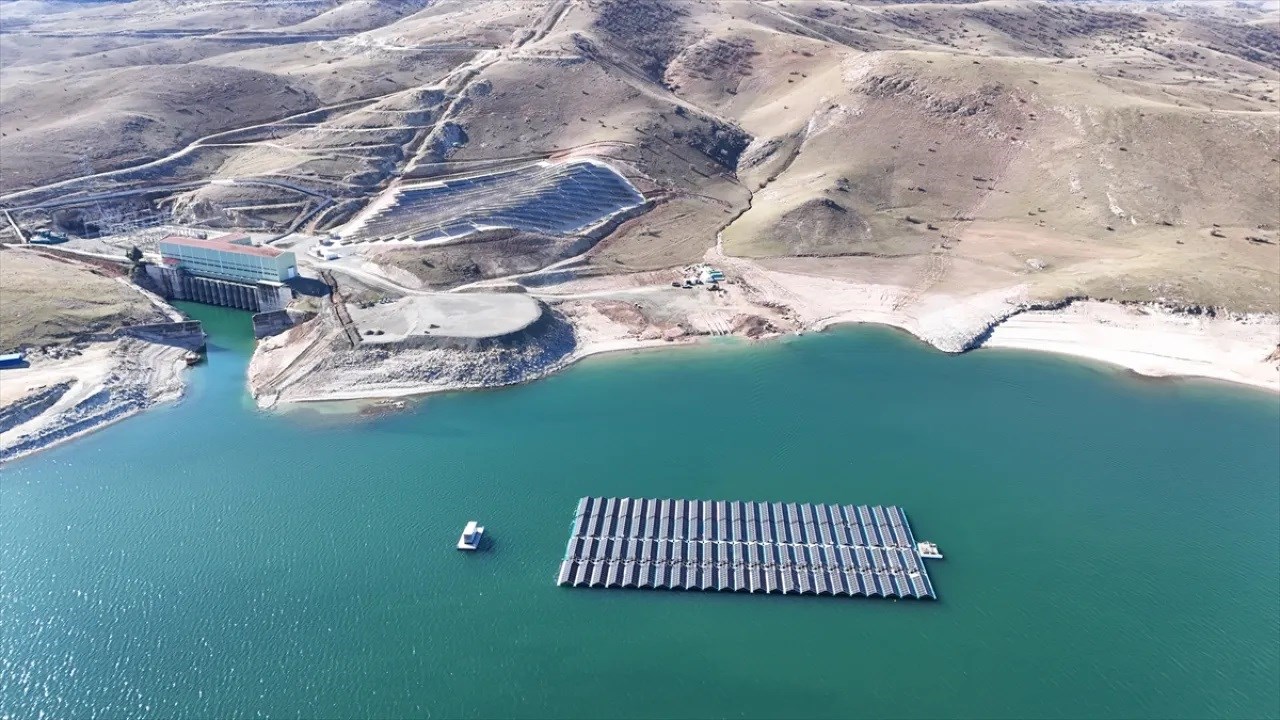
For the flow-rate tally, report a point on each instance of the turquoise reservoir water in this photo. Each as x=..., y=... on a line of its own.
x=1112, y=546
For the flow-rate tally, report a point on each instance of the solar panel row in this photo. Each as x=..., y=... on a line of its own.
x=711, y=552
x=744, y=522
x=755, y=578
x=743, y=546
x=555, y=200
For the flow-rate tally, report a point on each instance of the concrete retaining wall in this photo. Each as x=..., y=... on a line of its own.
x=266, y=324
x=187, y=334
x=272, y=298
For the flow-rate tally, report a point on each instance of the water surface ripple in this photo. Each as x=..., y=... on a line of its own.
x=1112, y=546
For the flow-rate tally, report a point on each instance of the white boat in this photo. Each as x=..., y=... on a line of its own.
x=926, y=549
x=471, y=536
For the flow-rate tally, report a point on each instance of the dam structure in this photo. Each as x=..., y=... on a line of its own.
x=754, y=547
x=228, y=271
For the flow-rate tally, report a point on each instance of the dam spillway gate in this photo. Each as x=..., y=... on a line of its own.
x=784, y=548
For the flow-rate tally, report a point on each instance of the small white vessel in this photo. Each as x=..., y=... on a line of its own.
x=927, y=549
x=471, y=536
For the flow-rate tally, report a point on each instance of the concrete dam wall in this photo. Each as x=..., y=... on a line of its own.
x=187, y=334
x=178, y=285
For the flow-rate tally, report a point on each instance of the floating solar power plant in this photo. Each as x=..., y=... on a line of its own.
x=744, y=546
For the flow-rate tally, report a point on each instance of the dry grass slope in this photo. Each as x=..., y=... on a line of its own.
x=46, y=300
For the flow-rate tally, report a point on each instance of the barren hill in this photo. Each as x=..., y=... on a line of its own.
x=1119, y=150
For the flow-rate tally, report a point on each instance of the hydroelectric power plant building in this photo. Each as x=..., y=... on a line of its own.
x=229, y=257
x=228, y=271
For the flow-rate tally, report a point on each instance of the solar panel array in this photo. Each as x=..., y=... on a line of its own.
x=744, y=546
x=557, y=199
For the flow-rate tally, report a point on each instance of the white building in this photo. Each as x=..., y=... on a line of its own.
x=229, y=257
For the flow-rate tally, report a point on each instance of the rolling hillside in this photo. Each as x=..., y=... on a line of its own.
x=1117, y=150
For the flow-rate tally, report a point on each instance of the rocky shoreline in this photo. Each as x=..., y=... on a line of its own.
x=122, y=378
x=312, y=361
x=1151, y=339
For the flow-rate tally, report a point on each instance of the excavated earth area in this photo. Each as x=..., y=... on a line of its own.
x=438, y=319
x=57, y=399
x=481, y=340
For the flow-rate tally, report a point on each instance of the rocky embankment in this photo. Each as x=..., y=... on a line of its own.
x=115, y=380
x=32, y=406
x=325, y=360
x=314, y=362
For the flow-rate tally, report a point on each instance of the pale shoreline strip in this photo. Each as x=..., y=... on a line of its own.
x=1149, y=341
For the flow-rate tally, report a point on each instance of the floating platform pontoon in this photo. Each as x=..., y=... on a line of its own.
x=744, y=546
x=472, y=534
